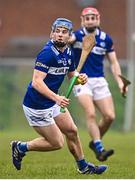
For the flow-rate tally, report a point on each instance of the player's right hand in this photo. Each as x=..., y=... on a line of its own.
x=82, y=79
x=62, y=101
x=123, y=88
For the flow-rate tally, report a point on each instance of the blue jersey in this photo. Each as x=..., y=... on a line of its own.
x=93, y=66
x=56, y=64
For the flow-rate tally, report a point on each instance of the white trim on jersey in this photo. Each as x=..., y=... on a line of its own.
x=55, y=50
x=99, y=50
x=85, y=31
x=102, y=35
x=69, y=51
x=97, y=31
x=81, y=32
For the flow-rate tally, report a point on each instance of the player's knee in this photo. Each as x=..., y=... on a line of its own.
x=109, y=117
x=91, y=116
x=72, y=132
x=58, y=143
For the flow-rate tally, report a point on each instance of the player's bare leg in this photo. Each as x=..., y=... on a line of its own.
x=67, y=126
x=104, y=124
x=94, y=131
x=89, y=109
x=106, y=107
x=51, y=139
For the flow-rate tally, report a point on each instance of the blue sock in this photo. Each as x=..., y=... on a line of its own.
x=98, y=145
x=22, y=146
x=81, y=164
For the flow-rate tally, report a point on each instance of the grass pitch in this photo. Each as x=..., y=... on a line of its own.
x=61, y=165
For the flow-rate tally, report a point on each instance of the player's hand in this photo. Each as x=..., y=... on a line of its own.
x=82, y=79
x=62, y=101
x=125, y=84
x=123, y=88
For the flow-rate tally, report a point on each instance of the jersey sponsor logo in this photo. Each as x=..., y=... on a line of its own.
x=39, y=64
x=58, y=71
x=99, y=50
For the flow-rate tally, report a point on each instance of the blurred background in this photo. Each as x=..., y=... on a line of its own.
x=24, y=29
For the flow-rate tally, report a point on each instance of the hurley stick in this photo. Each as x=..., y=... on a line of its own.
x=126, y=82
x=87, y=45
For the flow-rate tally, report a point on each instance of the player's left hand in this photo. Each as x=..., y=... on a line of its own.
x=123, y=89
x=125, y=83
x=82, y=79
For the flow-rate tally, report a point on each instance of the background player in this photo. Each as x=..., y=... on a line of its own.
x=96, y=92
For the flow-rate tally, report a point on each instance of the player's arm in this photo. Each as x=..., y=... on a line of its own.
x=40, y=86
x=116, y=70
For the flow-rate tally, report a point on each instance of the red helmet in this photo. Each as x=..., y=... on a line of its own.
x=90, y=10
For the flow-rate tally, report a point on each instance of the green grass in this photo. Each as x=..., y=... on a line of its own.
x=61, y=165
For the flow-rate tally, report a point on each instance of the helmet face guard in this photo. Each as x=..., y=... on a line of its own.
x=63, y=22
